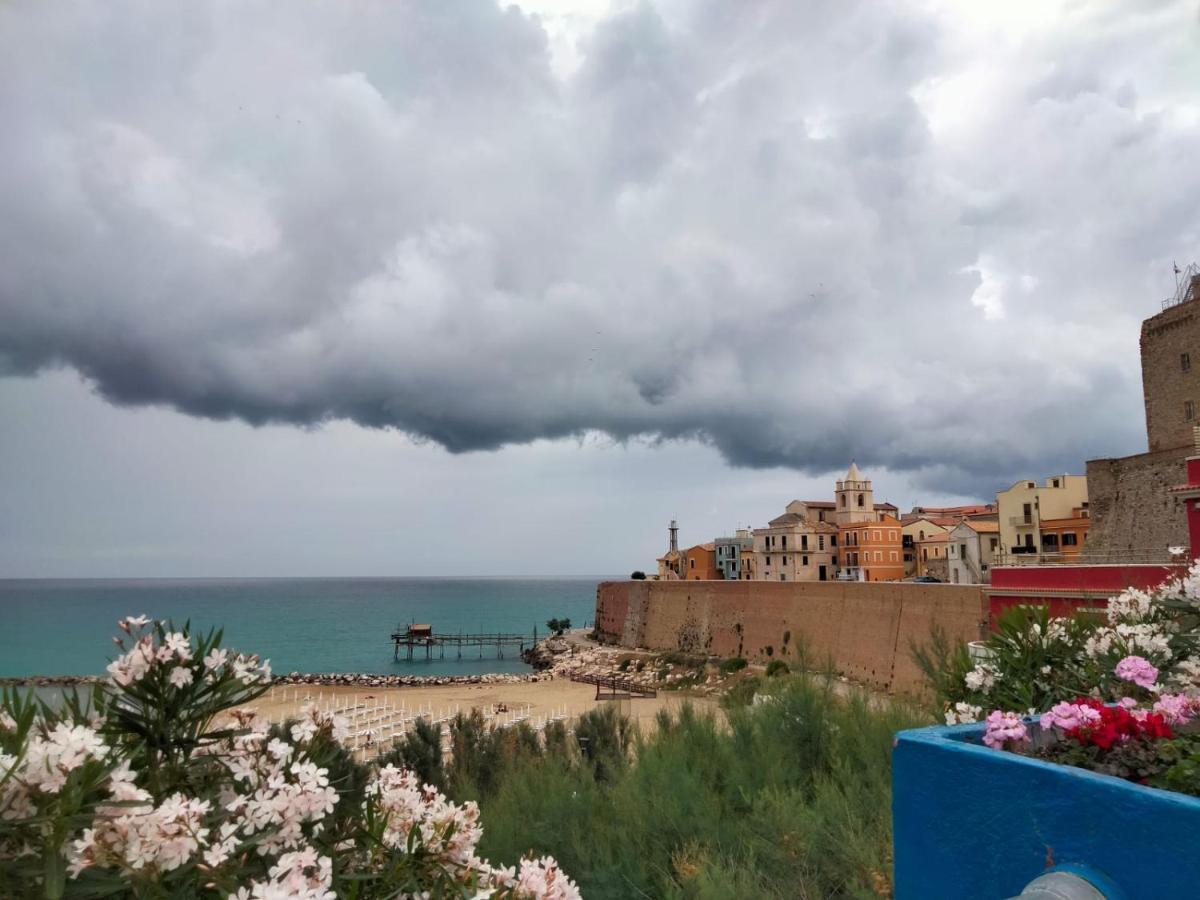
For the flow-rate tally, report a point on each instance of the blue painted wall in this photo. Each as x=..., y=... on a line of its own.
x=971, y=822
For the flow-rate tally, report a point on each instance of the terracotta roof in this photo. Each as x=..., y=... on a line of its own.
x=887, y=506
x=819, y=504
x=938, y=538
x=971, y=510
x=710, y=546
x=982, y=525
x=786, y=519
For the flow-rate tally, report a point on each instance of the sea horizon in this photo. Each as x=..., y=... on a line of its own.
x=308, y=624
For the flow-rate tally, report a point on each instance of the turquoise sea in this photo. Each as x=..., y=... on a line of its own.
x=64, y=627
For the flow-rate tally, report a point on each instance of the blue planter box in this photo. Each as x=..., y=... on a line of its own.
x=978, y=823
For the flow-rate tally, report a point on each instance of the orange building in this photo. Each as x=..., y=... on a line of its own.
x=871, y=551
x=701, y=563
x=1066, y=536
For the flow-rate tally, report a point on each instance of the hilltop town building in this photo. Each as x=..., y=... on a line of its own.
x=799, y=545
x=729, y=553
x=871, y=549
x=972, y=511
x=1170, y=343
x=1024, y=506
x=971, y=550
x=913, y=534
x=671, y=563
x=1133, y=513
x=1065, y=537
x=701, y=563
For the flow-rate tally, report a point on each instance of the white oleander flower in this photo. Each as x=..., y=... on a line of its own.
x=963, y=714
x=981, y=678
x=177, y=642
x=51, y=758
x=180, y=676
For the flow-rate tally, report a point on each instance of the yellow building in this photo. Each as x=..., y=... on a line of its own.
x=1024, y=505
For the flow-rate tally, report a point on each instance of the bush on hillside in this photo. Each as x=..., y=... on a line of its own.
x=776, y=667
x=729, y=666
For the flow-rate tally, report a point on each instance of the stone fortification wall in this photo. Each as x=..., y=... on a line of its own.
x=1131, y=506
x=864, y=629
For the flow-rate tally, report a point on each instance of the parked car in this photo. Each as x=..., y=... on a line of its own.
x=927, y=579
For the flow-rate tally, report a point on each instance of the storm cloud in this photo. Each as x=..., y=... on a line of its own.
x=798, y=232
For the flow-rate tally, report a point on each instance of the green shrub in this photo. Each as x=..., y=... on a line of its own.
x=729, y=666
x=791, y=798
x=623, y=666
x=776, y=667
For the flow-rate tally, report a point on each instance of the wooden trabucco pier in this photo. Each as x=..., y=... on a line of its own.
x=414, y=638
x=617, y=687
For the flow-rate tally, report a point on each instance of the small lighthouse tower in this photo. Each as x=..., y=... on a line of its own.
x=673, y=530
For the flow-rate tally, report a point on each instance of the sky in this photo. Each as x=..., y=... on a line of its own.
x=467, y=288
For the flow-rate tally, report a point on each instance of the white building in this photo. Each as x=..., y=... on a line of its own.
x=972, y=550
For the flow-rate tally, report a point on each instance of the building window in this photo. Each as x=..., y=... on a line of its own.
x=820, y=542
x=1185, y=362
x=995, y=544
x=782, y=577
x=1056, y=482
x=892, y=556
x=691, y=564
x=860, y=499
x=877, y=536
x=804, y=542
x=804, y=560
x=1189, y=410
x=768, y=562
x=1069, y=539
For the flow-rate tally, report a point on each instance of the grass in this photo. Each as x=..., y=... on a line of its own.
x=789, y=798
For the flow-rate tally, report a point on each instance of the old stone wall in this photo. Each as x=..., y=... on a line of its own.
x=1132, y=509
x=864, y=630
x=1170, y=379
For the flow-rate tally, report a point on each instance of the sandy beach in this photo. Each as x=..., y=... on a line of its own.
x=540, y=699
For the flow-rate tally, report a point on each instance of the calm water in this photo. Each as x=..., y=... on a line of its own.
x=303, y=624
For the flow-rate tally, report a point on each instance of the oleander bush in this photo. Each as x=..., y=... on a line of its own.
x=1118, y=694
x=159, y=784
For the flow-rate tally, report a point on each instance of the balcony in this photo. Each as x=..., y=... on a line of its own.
x=1019, y=521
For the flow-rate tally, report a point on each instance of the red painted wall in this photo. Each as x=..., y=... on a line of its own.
x=1059, y=582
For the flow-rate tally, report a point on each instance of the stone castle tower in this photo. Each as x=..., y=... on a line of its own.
x=855, y=498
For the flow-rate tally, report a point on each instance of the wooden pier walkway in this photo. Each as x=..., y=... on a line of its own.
x=414, y=637
x=617, y=687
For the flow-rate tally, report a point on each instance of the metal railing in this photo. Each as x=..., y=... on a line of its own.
x=1187, y=288
x=1141, y=556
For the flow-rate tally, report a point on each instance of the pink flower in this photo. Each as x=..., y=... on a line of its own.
x=1004, y=728
x=1137, y=670
x=1069, y=715
x=1176, y=709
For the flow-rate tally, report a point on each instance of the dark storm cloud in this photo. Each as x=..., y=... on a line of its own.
x=797, y=234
